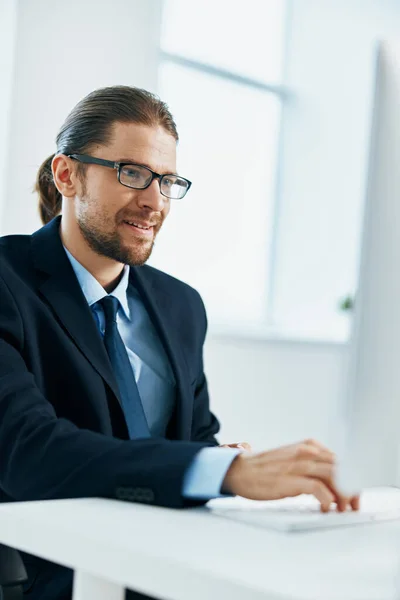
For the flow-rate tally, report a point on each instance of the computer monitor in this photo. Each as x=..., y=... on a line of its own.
x=370, y=455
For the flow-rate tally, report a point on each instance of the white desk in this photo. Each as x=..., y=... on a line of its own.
x=192, y=554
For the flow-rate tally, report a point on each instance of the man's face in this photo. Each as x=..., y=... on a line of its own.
x=104, y=206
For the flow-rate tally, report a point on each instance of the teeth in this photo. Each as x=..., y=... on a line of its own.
x=136, y=225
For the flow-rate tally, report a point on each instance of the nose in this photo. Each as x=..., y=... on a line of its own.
x=152, y=198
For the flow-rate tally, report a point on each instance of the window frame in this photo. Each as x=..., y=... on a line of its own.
x=265, y=330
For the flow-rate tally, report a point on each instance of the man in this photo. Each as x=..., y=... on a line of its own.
x=102, y=387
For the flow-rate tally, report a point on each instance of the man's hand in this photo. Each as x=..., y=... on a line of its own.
x=304, y=468
x=239, y=445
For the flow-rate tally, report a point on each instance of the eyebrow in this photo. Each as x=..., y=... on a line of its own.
x=134, y=162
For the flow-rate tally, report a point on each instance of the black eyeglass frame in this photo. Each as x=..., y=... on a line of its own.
x=92, y=160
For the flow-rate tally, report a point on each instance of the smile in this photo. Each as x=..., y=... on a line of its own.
x=140, y=229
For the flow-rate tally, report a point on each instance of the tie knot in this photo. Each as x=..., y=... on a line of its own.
x=110, y=306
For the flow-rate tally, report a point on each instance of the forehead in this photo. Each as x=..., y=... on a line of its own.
x=152, y=146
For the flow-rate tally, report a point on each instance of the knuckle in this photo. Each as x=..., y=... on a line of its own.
x=310, y=466
x=301, y=450
x=311, y=442
x=305, y=451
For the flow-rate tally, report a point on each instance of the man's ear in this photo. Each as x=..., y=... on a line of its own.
x=64, y=175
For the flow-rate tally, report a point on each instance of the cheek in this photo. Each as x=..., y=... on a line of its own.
x=109, y=196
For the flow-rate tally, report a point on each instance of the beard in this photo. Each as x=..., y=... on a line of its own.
x=111, y=244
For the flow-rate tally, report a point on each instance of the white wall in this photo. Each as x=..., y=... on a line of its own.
x=8, y=18
x=272, y=392
x=63, y=51
x=329, y=74
x=277, y=392
x=281, y=391
x=265, y=392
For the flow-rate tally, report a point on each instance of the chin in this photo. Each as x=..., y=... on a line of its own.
x=138, y=259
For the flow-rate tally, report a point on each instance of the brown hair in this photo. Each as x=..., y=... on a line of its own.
x=90, y=123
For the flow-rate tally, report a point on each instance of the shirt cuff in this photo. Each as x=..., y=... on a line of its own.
x=206, y=473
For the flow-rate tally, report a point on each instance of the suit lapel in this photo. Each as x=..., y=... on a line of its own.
x=58, y=284
x=157, y=302
x=64, y=295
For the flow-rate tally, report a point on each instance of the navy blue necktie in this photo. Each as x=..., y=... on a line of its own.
x=129, y=393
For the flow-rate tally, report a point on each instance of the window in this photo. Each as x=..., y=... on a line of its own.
x=220, y=73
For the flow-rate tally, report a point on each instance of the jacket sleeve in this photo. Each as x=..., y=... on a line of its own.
x=45, y=457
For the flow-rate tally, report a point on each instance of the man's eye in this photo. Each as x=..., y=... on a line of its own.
x=132, y=173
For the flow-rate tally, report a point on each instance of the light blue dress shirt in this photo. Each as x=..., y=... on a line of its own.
x=154, y=377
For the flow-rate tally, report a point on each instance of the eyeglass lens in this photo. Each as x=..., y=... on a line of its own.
x=138, y=177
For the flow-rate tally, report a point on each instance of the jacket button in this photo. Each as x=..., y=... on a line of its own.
x=144, y=495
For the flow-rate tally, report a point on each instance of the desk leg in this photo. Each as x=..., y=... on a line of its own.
x=89, y=587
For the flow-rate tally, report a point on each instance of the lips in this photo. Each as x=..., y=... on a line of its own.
x=141, y=224
x=139, y=231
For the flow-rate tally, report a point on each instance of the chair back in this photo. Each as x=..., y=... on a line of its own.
x=12, y=574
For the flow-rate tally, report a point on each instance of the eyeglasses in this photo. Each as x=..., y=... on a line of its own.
x=140, y=177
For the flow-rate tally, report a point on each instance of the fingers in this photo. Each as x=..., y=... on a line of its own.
x=307, y=467
x=326, y=472
x=328, y=475
x=342, y=502
x=239, y=445
x=323, y=450
x=316, y=444
x=323, y=472
x=310, y=459
x=312, y=468
x=307, y=485
x=318, y=452
x=245, y=446
x=299, y=451
x=355, y=502
x=321, y=492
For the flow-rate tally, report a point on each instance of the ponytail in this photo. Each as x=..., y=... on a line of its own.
x=89, y=123
x=50, y=199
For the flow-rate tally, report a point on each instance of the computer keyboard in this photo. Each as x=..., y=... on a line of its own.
x=303, y=513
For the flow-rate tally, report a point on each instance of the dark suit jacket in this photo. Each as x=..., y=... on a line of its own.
x=62, y=428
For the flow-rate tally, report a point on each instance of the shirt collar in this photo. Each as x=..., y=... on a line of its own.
x=92, y=289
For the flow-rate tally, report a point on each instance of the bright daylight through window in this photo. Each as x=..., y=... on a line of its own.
x=225, y=93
